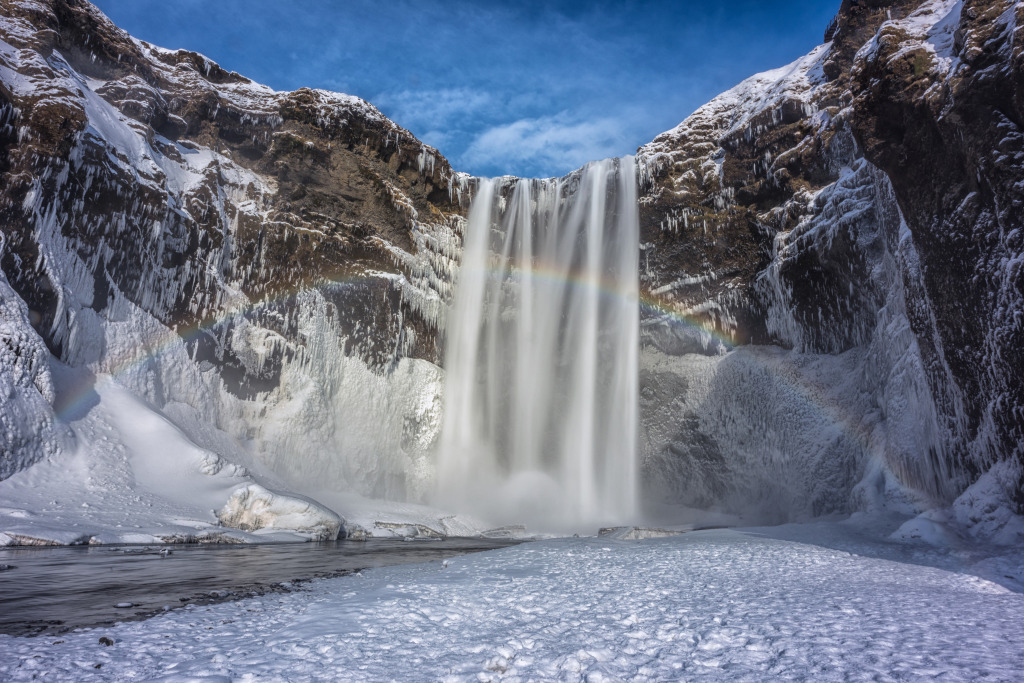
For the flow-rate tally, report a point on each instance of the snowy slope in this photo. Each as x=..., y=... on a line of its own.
x=129, y=474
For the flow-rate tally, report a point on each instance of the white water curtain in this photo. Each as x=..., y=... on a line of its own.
x=541, y=354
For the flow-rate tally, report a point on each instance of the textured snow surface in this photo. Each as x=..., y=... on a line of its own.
x=131, y=473
x=802, y=602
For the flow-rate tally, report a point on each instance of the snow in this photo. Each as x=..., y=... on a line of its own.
x=374, y=517
x=131, y=476
x=130, y=473
x=254, y=508
x=734, y=110
x=985, y=508
x=803, y=602
x=930, y=26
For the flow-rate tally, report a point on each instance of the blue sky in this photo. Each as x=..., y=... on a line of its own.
x=526, y=88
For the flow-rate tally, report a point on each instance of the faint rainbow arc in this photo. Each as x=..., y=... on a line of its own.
x=171, y=337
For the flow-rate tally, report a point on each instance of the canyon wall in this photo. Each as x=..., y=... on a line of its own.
x=276, y=264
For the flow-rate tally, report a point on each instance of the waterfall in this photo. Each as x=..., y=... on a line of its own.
x=541, y=353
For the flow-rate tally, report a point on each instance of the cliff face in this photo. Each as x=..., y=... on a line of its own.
x=166, y=174
x=154, y=204
x=940, y=110
x=830, y=262
x=861, y=203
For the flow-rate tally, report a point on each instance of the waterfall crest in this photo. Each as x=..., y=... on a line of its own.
x=541, y=353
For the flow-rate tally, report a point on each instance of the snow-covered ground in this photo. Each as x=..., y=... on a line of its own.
x=807, y=602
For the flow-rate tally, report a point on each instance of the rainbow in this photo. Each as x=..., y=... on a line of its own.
x=79, y=397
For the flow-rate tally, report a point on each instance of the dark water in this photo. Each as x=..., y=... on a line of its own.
x=54, y=590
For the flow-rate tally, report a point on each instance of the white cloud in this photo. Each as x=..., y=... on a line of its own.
x=554, y=143
x=438, y=139
x=432, y=109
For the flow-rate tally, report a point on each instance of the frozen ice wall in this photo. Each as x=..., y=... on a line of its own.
x=541, y=404
x=833, y=418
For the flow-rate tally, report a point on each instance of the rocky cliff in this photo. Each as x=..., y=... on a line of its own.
x=830, y=261
x=250, y=257
x=861, y=204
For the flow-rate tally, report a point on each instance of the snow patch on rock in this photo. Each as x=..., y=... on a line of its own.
x=986, y=510
x=253, y=508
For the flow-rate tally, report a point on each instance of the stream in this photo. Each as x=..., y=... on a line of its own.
x=55, y=590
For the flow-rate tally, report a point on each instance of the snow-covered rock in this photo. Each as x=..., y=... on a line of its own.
x=254, y=508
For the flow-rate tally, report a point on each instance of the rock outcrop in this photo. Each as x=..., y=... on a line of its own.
x=939, y=108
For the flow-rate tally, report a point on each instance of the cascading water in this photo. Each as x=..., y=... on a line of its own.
x=541, y=390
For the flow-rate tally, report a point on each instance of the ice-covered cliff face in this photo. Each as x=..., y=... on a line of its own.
x=269, y=268
x=829, y=270
x=860, y=208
